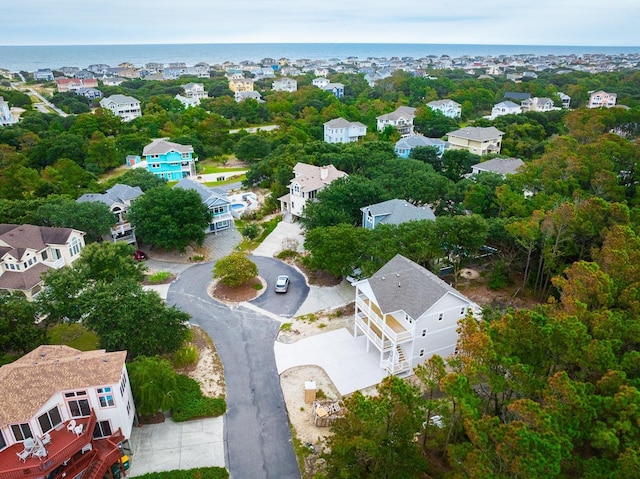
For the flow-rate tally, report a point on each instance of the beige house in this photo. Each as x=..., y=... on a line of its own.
x=477, y=140
x=304, y=186
x=27, y=251
x=602, y=99
x=401, y=119
x=241, y=84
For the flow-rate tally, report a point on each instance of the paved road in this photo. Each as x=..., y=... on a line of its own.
x=257, y=432
x=281, y=304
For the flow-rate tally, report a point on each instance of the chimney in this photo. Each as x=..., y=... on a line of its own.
x=324, y=172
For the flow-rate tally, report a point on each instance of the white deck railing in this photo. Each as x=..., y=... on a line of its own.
x=382, y=325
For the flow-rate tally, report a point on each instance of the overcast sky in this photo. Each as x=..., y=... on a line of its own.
x=513, y=22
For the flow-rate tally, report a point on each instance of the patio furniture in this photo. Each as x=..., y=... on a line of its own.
x=87, y=448
x=40, y=453
x=46, y=438
x=71, y=425
x=78, y=429
x=23, y=455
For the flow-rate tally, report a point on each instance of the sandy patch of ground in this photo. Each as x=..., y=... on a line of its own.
x=208, y=371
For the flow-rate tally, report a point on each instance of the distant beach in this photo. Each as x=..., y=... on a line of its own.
x=31, y=58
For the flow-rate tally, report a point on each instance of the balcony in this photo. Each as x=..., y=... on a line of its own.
x=64, y=445
x=384, y=331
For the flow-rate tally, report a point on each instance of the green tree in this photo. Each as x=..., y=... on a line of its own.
x=252, y=147
x=170, y=217
x=337, y=249
x=376, y=436
x=92, y=217
x=19, y=332
x=235, y=270
x=153, y=383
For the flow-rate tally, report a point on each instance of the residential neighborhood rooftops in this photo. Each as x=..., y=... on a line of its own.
x=118, y=193
x=119, y=99
x=402, y=285
x=30, y=381
x=413, y=141
x=16, y=239
x=209, y=195
x=400, y=112
x=162, y=146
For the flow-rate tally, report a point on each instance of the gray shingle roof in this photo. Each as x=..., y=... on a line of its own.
x=161, y=146
x=477, y=133
x=404, y=285
x=342, y=123
x=501, y=166
x=397, y=211
x=413, y=141
x=117, y=194
x=210, y=197
x=400, y=112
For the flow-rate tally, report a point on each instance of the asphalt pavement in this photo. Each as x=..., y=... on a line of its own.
x=257, y=436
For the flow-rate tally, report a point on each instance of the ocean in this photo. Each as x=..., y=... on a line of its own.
x=31, y=58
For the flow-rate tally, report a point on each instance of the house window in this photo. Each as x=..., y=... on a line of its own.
x=78, y=407
x=218, y=210
x=154, y=157
x=128, y=408
x=56, y=254
x=296, y=188
x=50, y=419
x=186, y=156
x=75, y=246
x=123, y=385
x=102, y=429
x=422, y=353
x=155, y=165
x=174, y=163
x=105, y=397
x=45, y=256
x=463, y=311
x=3, y=442
x=21, y=431
x=424, y=333
x=14, y=267
x=440, y=317
x=222, y=224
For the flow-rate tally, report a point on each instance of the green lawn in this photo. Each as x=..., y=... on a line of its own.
x=74, y=335
x=208, y=169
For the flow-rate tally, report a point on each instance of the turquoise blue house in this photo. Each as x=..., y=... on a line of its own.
x=405, y=145
x=168, y=160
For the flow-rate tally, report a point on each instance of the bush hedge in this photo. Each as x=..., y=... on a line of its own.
x=192, y=404
x=198, y=473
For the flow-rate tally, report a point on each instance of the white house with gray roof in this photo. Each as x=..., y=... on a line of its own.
x=506, y=107
x=401, y=119
x=408, y=314
x=340, y=130
x=499, y=166
x=394, y=212
x=126, y=107
x=448, y=108
x=285, y=84
x=307, y=181
x=538, y=104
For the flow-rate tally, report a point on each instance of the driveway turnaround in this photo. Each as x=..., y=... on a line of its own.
x=320, y=298
x=256, y=426
x=277, y=240
x=280, y=304
x=177, y=445
x=344, y=358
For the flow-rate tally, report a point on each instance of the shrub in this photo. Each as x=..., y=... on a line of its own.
x=159, y=277
x=185, y=356
x=286, y=326
x=198, y=473
x=196, y=258
x=499, y=276
x=191, y=404
x=287, y=253
x=251, y=231
x=235, y=270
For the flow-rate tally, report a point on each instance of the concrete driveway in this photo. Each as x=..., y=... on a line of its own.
x=344, y=358
x=284, y=232
x=177, y=445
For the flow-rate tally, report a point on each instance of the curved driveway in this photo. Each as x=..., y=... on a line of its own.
x=257, y=435
x=284, y=305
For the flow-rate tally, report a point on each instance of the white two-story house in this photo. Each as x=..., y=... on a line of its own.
x=65, y=413
x=307, y=181
x=285, y=84
x=602, y=99
x=408, y=314
x=506, y=107
x=126, y=107
x=195, y=91
x=401, y=119
x=340, y=130
x=27, y=251
x=448, y=108
x=216, y=201
x=538, y=104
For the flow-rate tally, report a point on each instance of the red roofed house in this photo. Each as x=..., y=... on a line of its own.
x=65, y=414
x=72, y=84
x=27, y=251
